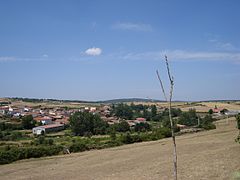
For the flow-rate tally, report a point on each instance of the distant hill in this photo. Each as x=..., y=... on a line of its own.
x=123, y=100
x=126, y=100
x=111, y=101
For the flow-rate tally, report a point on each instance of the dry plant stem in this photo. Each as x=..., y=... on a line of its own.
x=159, y=78
x=170, y=115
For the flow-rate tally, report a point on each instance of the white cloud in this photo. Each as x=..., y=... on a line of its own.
x=45, y=56
x=133, y=26
x=93, y=51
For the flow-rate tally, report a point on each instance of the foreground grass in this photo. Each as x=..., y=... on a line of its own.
x=205, y=155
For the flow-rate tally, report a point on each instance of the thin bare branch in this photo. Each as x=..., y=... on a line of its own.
x=168, y=70
x=170, y=115
x=162, y=87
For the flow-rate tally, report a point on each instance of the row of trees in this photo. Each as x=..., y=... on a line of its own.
x=9, y=131
x=27, y=122
x=133, y=111
x=87, y=124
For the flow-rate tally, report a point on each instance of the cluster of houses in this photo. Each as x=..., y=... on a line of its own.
x=55, y=119
x=219, y=111
x=48, y=119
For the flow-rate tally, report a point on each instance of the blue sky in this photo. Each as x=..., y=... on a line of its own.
x=97, y=50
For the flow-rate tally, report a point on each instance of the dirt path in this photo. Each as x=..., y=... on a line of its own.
x=204, y=155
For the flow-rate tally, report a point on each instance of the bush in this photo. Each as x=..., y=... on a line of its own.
x=238, y=121
x=142, y=127
x=207, y=123
x=78, y=147
x=7, y=157
x=126, y=138
x=9, y=126
x=123, y=126
x=189, y=118
x=16, y=153
x=160, y=133
x=11, y=136
x=209, y=126
x=40, y=140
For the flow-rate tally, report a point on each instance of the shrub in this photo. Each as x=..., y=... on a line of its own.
x=207, y=123
x=238, y=121
x=11, y=154
x=126, y=138
x=40, y=140
x=11, y=135
x=209, y=126
x=123, y=126
x=142, y=127
x=160, y=133
x=78, y=147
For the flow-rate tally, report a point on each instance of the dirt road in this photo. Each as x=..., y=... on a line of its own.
x=205, y=155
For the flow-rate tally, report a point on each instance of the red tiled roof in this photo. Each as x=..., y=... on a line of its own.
x=140, y=119
x=42, y=118
x=52, y=126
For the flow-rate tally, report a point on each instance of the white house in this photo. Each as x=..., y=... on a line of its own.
x=47, y=128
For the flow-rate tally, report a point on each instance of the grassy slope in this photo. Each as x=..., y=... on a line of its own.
x=205, y=155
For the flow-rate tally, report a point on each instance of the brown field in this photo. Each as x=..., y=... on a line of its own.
x=199, y=106
x=184, y=106
x=51, y=104
x=204, y=155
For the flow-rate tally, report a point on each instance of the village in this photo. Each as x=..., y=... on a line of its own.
x=55, y=119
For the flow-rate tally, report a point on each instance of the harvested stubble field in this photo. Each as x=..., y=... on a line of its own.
x=204, y=155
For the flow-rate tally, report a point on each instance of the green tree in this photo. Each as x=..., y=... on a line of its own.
x=123, y=111
x=142, y=127
x=113, y=135
x=28, y=122
x=122, y=126
x=207, y=122
x=210, y=111
x=189, y=118
x=238, y=121
x=83, y=123
x=238, y=126
x=153, y=110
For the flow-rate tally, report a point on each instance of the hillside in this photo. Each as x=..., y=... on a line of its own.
x=205, y=155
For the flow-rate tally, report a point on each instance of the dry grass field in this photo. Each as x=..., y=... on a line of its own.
x=204, y=155
x=199, y=106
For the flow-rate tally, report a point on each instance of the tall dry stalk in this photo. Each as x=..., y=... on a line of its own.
x=170, y=115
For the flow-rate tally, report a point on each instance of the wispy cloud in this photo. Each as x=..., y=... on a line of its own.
x=93, y=51
x=222, y=45
x=7, y=59
x=45, y=56
x=184, y=55
x=174, y=55
x=133, y=26
x=17, y=59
